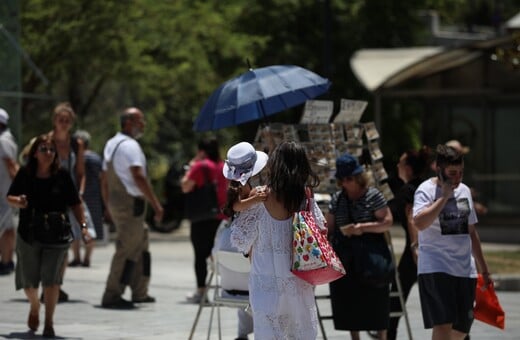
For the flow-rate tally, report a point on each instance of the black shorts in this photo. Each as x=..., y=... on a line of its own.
x=447, y=299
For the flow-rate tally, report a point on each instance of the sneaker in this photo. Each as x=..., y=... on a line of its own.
x=118, y=304
x=195, y=297
x=6, y=268
x=146, y=299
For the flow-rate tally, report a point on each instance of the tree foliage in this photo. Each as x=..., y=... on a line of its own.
x=166, y=57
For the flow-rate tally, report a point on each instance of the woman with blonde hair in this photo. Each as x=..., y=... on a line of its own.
x=358, y=215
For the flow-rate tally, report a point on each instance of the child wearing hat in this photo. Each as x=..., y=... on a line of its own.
x=242, y=163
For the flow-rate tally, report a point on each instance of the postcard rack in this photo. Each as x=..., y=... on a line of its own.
x=325, y=142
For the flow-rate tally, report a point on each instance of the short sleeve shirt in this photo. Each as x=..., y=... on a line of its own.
x=128, y=154
x=54, y=193
x=445, y=246
x=200, y=171
x=8, y=150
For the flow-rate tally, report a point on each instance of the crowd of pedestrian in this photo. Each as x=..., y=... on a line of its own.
x=63, y=189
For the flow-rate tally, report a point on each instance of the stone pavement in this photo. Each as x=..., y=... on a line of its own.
x=171, y=316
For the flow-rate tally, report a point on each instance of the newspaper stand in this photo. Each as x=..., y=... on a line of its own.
x=324, y=142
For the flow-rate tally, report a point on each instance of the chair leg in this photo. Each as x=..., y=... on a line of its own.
x=210, y=321
x=201, y=305
x=219, y=324
x=322, y=328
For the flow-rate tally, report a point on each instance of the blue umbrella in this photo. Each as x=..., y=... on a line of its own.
x=257, y=94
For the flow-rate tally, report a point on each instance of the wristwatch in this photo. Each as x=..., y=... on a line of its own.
x=83, y=225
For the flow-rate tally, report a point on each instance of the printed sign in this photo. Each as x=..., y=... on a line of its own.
x=317, y=112
x=350, y=111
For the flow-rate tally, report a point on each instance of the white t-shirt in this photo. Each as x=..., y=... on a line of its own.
x=128, y=154
x=445, y=246
x=8, y=150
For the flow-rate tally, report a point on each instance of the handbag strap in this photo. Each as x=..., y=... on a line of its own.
x=115, y=149
x=342, y=195
x=205, y=168
x=308, y=197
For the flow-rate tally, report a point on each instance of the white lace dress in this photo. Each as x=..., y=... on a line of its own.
x=283, y=304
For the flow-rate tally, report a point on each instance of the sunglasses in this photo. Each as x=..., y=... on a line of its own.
x=45, y=149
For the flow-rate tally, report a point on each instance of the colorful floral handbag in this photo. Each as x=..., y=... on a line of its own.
x=313, y=260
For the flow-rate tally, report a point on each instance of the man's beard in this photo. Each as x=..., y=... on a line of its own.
x=137, y=133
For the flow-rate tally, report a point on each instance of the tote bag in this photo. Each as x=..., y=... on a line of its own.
x=201, y=204
x=313, y=260
x=487, y=308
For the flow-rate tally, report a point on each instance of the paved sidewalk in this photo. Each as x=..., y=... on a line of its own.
x=171, y=317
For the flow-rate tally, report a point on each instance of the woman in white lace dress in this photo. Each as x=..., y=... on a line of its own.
x=283, y=304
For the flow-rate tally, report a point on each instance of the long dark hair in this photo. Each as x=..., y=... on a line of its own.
x=210, y=146
x=32, y=162
x=289, y=172
x=233, y=194
x=418, y=160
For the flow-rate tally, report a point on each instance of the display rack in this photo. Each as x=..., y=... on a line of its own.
x=325, y=142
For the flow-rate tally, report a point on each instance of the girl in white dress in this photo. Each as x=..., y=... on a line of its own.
x=283, y=304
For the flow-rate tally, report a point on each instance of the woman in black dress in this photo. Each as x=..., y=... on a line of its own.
x=357, y=213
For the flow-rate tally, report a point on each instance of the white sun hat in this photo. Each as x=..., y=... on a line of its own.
x=243, y=162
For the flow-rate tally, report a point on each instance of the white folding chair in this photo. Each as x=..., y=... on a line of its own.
x=226, y=261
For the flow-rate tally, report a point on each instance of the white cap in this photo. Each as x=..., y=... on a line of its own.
x=4, y=117
x=243, y=162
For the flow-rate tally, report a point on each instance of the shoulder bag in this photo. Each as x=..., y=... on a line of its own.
x=313, y=258
x=201, y=203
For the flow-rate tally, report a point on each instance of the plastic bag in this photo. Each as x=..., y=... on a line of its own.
x=487, y=308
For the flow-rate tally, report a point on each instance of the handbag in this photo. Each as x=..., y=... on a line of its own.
x=313, y=258
x=201, y=204
x=487, y=308
x=51, y=228
x=372, y=262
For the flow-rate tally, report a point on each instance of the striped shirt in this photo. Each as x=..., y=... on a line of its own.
x=346, y=211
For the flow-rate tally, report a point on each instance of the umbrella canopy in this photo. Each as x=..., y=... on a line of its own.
x=257, y=94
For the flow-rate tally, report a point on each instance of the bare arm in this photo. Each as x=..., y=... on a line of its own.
x=79, y=213
x=80, y=165
x=255, y=196
x=412, y=230
x=383, y=222
x=427, y=216
x=17, y=201
x=187, y=184
x=478, y=254
x=142, y=183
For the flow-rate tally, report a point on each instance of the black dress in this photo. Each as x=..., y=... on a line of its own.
x=357, y=306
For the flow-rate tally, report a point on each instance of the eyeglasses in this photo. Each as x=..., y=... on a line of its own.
x=45, y=149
